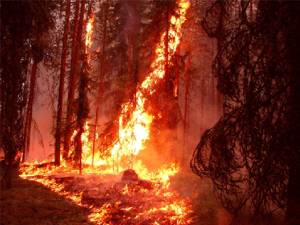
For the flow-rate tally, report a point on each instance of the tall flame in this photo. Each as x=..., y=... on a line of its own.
x=86, y=146
x=135, y=131
x=134, y=120
x=89, y=33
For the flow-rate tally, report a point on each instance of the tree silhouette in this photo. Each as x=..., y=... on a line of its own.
x=22, y=25
x=252, y=152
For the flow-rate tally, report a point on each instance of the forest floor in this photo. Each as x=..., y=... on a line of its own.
x=29, y=202
x=34, y=203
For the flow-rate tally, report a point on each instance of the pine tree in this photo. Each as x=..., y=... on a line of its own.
x=69, y=126
x=58, y=131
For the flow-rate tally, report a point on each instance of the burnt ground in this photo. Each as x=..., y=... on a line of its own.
x=31, y=203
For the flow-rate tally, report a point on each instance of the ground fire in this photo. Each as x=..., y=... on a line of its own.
x=149, y=112
x=141, y=196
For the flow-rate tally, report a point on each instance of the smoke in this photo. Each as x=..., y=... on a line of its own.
x=42, y=140
x=131, y=21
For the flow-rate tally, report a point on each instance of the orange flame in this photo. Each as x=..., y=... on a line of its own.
x=89, y=33
x=135, y=121
x=88, y=43
x=134, y=132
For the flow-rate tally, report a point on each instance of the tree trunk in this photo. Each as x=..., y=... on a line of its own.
x=81, y=110
x=186, y=109
x=82, y=113
x=101, y=76
x=61, y=85
x=29, y=110
x=71, y=90
x=8, y=168
x=293, y=202
x=293, y=44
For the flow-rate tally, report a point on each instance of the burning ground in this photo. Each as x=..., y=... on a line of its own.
x=98, y=187
x=96, y=198
x=46, y=195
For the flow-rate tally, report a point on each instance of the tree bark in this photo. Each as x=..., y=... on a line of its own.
x=71, y=90
x=101, y=76
x=81, y=110
x=82, y=113
x=61, y=85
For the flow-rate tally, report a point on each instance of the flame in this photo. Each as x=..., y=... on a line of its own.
x=89, y=33
x=134, y=120
x=134, y=132
x=86, y=146
x=132, y=203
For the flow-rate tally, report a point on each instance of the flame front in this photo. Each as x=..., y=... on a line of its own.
x=134, y=132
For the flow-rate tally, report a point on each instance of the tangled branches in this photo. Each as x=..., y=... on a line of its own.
x=248, y=152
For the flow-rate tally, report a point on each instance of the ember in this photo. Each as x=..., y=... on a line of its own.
x=141, y=196
x=111, y=111
x=115, y=200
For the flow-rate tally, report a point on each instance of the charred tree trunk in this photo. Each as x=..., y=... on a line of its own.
x=101, y=76
x=293, y=55
x=61, y=85
x=293, y=195
x=29, y=110
x=82, y=109
x=72, y=76
x=82, y=112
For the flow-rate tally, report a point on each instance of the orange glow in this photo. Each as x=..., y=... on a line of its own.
x=135, y=131
x=134, y=120
x=89, y=33
x=165, y=206
x=134, y=125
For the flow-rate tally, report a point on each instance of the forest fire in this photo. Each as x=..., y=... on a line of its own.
x=89, y=32
x=129, y=201
x=153, y=112
x=134, y=120
x=154, y=202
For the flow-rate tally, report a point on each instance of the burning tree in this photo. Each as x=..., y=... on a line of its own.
x=252, y=153
x=58, y=129
x=73, y=76
x=136, y=116
x=83, y=104
x=135, y=119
